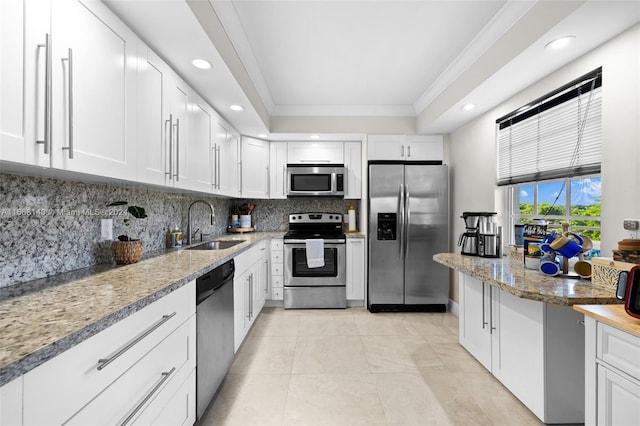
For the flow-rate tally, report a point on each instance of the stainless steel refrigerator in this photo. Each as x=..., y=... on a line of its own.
x=408, y=224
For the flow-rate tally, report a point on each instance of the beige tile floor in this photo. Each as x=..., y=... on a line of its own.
x=351, y=367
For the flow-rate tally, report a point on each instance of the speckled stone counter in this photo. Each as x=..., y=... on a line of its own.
x=42, y=323
x=527, y=283
x=357, y=235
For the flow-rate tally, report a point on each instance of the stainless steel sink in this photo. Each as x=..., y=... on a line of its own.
x=217, y=245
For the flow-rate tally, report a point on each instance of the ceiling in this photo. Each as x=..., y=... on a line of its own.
x=320, y=66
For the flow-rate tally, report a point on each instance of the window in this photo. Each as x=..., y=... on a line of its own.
x=575, y=201
x=549, y=155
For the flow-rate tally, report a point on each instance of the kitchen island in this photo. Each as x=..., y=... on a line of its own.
x=519, y=324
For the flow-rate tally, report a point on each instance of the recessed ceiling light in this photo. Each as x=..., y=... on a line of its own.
x=559, y=43
x=201, y=63
x=315, y=137
x=236, y=107
x=262, y=135
x=468, y=107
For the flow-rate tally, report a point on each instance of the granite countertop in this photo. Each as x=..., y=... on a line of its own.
x=527, y=283
x=614, y=315
x=44, y=321
x=356, y=234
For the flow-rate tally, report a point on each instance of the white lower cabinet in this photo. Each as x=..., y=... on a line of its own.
x=248, y=290
x=612, y=375
x=122, y=372
x=355, y=269
x=11, y=403
x=534, y=349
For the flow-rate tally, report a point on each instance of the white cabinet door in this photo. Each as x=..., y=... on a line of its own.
x=353, y=163
x=202, y=156
x=11, y=403
x=315, y=152
x=93, y=92
x=241, y=295
x=255, y=168
x=176, y=128
x=618, y=399
x=228, y=144
x=278, y=170
x=518, y=349
x=152, y=108
x=424, y=148
x=25, y=44
x=386, y=147
x=261, y=285
x=475, y=324
x=355, y=269
x=403, y=147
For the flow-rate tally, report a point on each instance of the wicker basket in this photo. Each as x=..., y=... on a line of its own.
x=126, y=252
x=605, y=271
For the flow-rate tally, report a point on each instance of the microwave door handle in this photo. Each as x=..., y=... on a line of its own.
x=334, y=183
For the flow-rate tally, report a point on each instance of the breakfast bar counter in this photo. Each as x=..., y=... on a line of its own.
x=521, y=326
x=530, y=284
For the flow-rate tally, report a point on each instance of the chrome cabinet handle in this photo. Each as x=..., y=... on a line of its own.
x=103, y=362
x=70, y=92
x=218, y=167
x=47, y=94
x=315, y=161
x=266, y=282
x=267, y=182
x=484, y=323
x=491, y=310
x=170, y=133
x=177, y=126
x=165, y=376
x=408, y=151
x=249, y=297
x=214, y=177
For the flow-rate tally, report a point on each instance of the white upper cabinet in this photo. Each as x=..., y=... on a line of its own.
x=353, y=164
x=278, y=170
x=405, y=148
x=152, y=107
x=25, y=57
x=315, y=153
x=202, y=157
x=255, y=168
x=227, y=146
x=176, y=125
x=93, y=90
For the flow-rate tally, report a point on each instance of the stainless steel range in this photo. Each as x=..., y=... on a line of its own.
x=315, y=262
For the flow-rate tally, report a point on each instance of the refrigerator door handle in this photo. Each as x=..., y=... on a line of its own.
x=401, y=219
x=407, y=200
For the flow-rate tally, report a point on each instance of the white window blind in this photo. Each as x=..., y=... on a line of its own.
x=557, y=136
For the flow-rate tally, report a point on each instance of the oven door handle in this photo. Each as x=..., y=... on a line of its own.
x=326, y=242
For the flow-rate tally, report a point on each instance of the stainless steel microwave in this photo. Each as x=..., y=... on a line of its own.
x=316, y=180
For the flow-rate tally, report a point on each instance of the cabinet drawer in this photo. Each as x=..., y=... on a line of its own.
x=277, y=269
x=277, y=245
x=58, y=388
x=277, y=256
x=619, y=349
x=277, y=281
x=178, y=410
x=148, y=380
x=277, y=293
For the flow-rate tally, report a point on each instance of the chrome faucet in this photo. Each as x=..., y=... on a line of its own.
x=213, y=218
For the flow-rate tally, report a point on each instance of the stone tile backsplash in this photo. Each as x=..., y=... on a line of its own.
x=52, y=226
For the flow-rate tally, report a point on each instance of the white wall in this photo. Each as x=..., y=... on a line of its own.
x=472, y=147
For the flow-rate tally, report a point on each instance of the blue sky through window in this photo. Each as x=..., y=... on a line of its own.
x=584, y=192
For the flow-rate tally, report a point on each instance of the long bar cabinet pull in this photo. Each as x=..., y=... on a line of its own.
x=177, y=175
x=165, y=376
x=47, y=93
x=170, y=133
x=103, y=362
x=70, y=93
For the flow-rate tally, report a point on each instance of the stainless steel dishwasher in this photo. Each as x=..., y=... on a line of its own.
x=214, y=322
